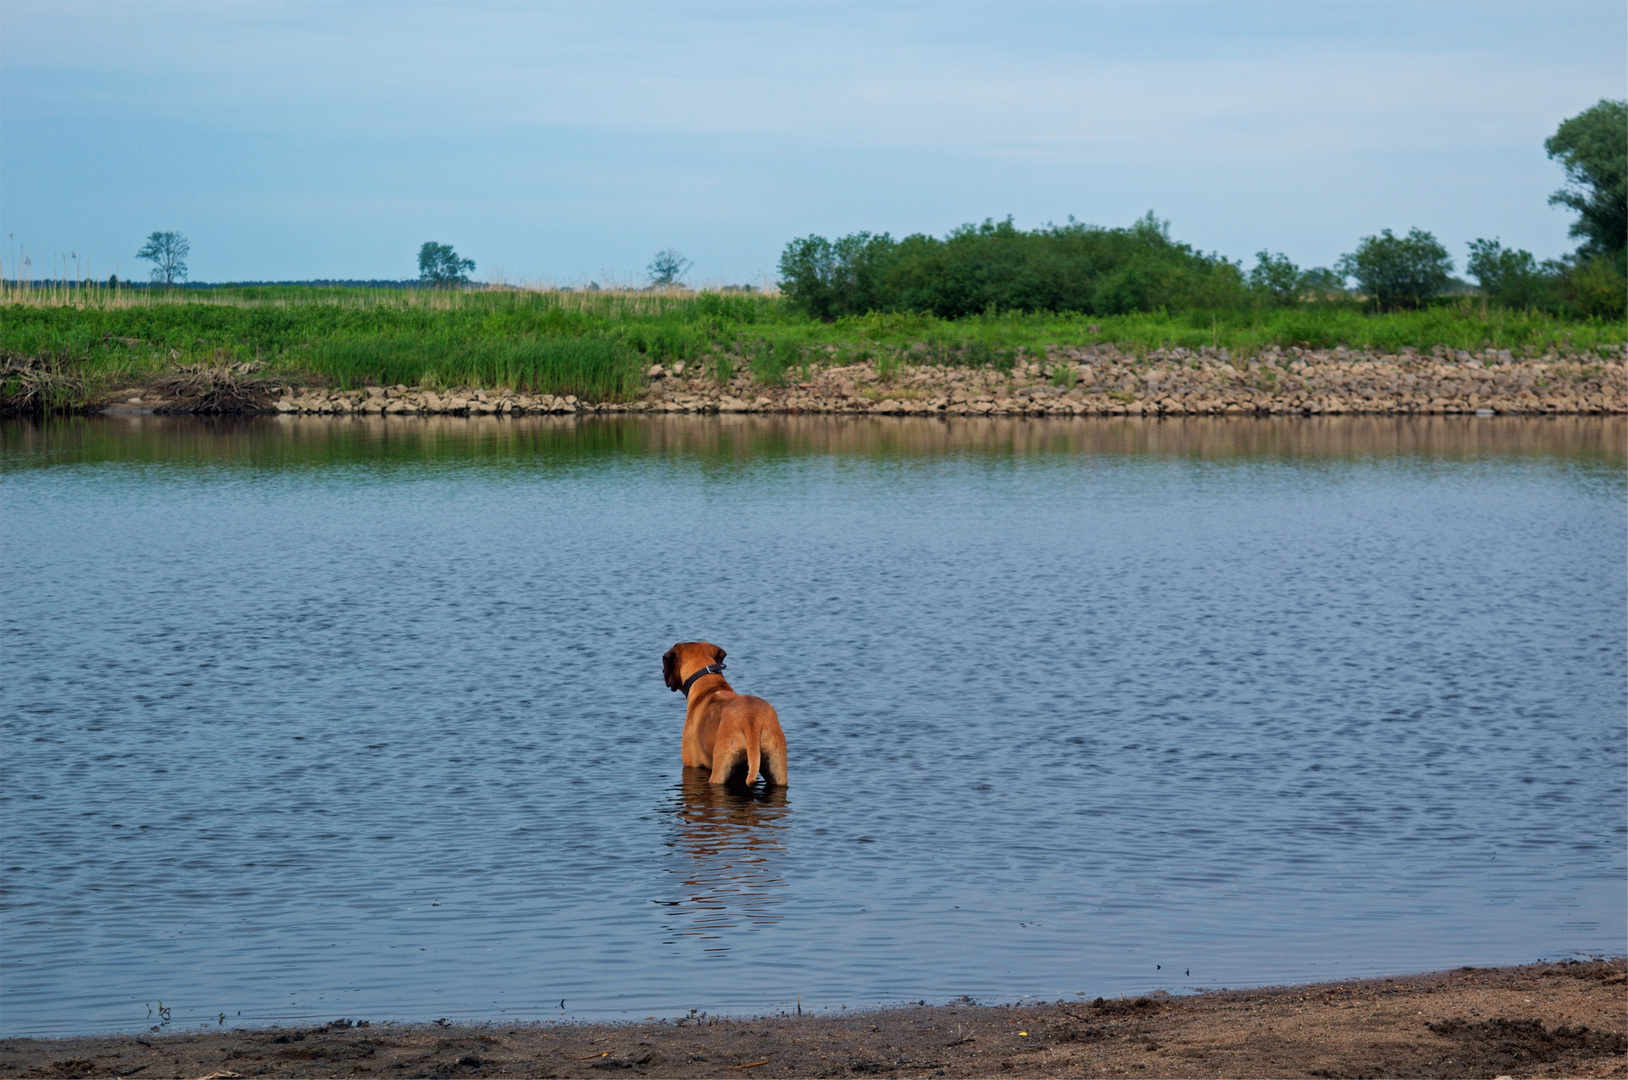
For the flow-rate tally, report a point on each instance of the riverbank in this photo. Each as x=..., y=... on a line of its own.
x=1096, y=381
x=1564, y=1019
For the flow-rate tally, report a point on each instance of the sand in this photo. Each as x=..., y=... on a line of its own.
x=1564, y=1019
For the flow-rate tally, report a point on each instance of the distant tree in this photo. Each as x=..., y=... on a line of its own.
x=1397, y=271
x=668, y=268
x=1593, y=148
x=1508, y=277
x=168, y=252
x=1276, y=277
x=440, y=266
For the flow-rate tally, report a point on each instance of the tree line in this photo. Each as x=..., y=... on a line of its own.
x=1111, y=271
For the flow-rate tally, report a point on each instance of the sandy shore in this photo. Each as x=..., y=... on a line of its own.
x=1099, y=381
x=1563, y=1019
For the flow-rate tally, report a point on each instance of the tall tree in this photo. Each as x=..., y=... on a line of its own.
x=168, y=253
x=440, y=266
x=1593, y=148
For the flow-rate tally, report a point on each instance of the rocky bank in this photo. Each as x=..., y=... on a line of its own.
x=1097, y=381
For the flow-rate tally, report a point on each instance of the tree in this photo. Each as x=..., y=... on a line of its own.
x=1593, y=148
x=1277, y=277
x=668, y=268
x=1398, y=270
x=168, y=253
x=828, y=280
x=440, y=266
x=1508, y=277
x=1323, y=283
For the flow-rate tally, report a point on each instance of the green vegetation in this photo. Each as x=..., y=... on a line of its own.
x=599, y=344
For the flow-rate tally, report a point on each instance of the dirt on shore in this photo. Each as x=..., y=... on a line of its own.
x=1095, y=381
x=1564, y=1019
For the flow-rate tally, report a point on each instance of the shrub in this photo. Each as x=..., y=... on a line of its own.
x=996, y=267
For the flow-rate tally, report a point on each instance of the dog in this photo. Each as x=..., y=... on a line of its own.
x=726, y=732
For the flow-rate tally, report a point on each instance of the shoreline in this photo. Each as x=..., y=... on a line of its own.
x=1545, y=1019
x=1097, y=381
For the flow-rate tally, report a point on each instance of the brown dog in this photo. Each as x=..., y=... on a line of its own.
x=723, y=731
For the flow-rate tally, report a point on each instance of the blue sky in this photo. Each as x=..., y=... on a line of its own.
x=559, y=143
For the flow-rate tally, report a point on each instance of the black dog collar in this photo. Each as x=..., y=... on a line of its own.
x=710, y=669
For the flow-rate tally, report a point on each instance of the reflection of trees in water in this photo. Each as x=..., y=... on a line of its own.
x=727, y=847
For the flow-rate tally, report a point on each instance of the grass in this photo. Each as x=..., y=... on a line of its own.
x=598, y=344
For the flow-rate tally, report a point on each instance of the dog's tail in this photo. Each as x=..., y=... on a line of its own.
x=753, y=759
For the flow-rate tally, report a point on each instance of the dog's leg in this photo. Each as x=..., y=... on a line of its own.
x=774, y=765
x=725, y=759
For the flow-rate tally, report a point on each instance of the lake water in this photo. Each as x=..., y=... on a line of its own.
x=365, y=718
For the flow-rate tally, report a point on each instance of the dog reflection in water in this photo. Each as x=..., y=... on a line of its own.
x=729, y=837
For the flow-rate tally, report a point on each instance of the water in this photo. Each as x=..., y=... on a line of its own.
x=308, y=719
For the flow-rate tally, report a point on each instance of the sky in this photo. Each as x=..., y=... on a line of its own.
x=564, y=143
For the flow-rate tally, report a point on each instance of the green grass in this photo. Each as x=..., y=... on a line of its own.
x=598, y=345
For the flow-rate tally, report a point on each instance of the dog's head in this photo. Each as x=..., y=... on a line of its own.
x=686, y=658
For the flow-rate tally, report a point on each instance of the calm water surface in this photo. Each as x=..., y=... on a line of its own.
x=365, y=718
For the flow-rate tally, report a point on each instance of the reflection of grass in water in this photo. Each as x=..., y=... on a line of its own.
x=456, y=442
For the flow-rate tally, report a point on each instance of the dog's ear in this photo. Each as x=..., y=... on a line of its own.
x=718, y=655
x=669, y=669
